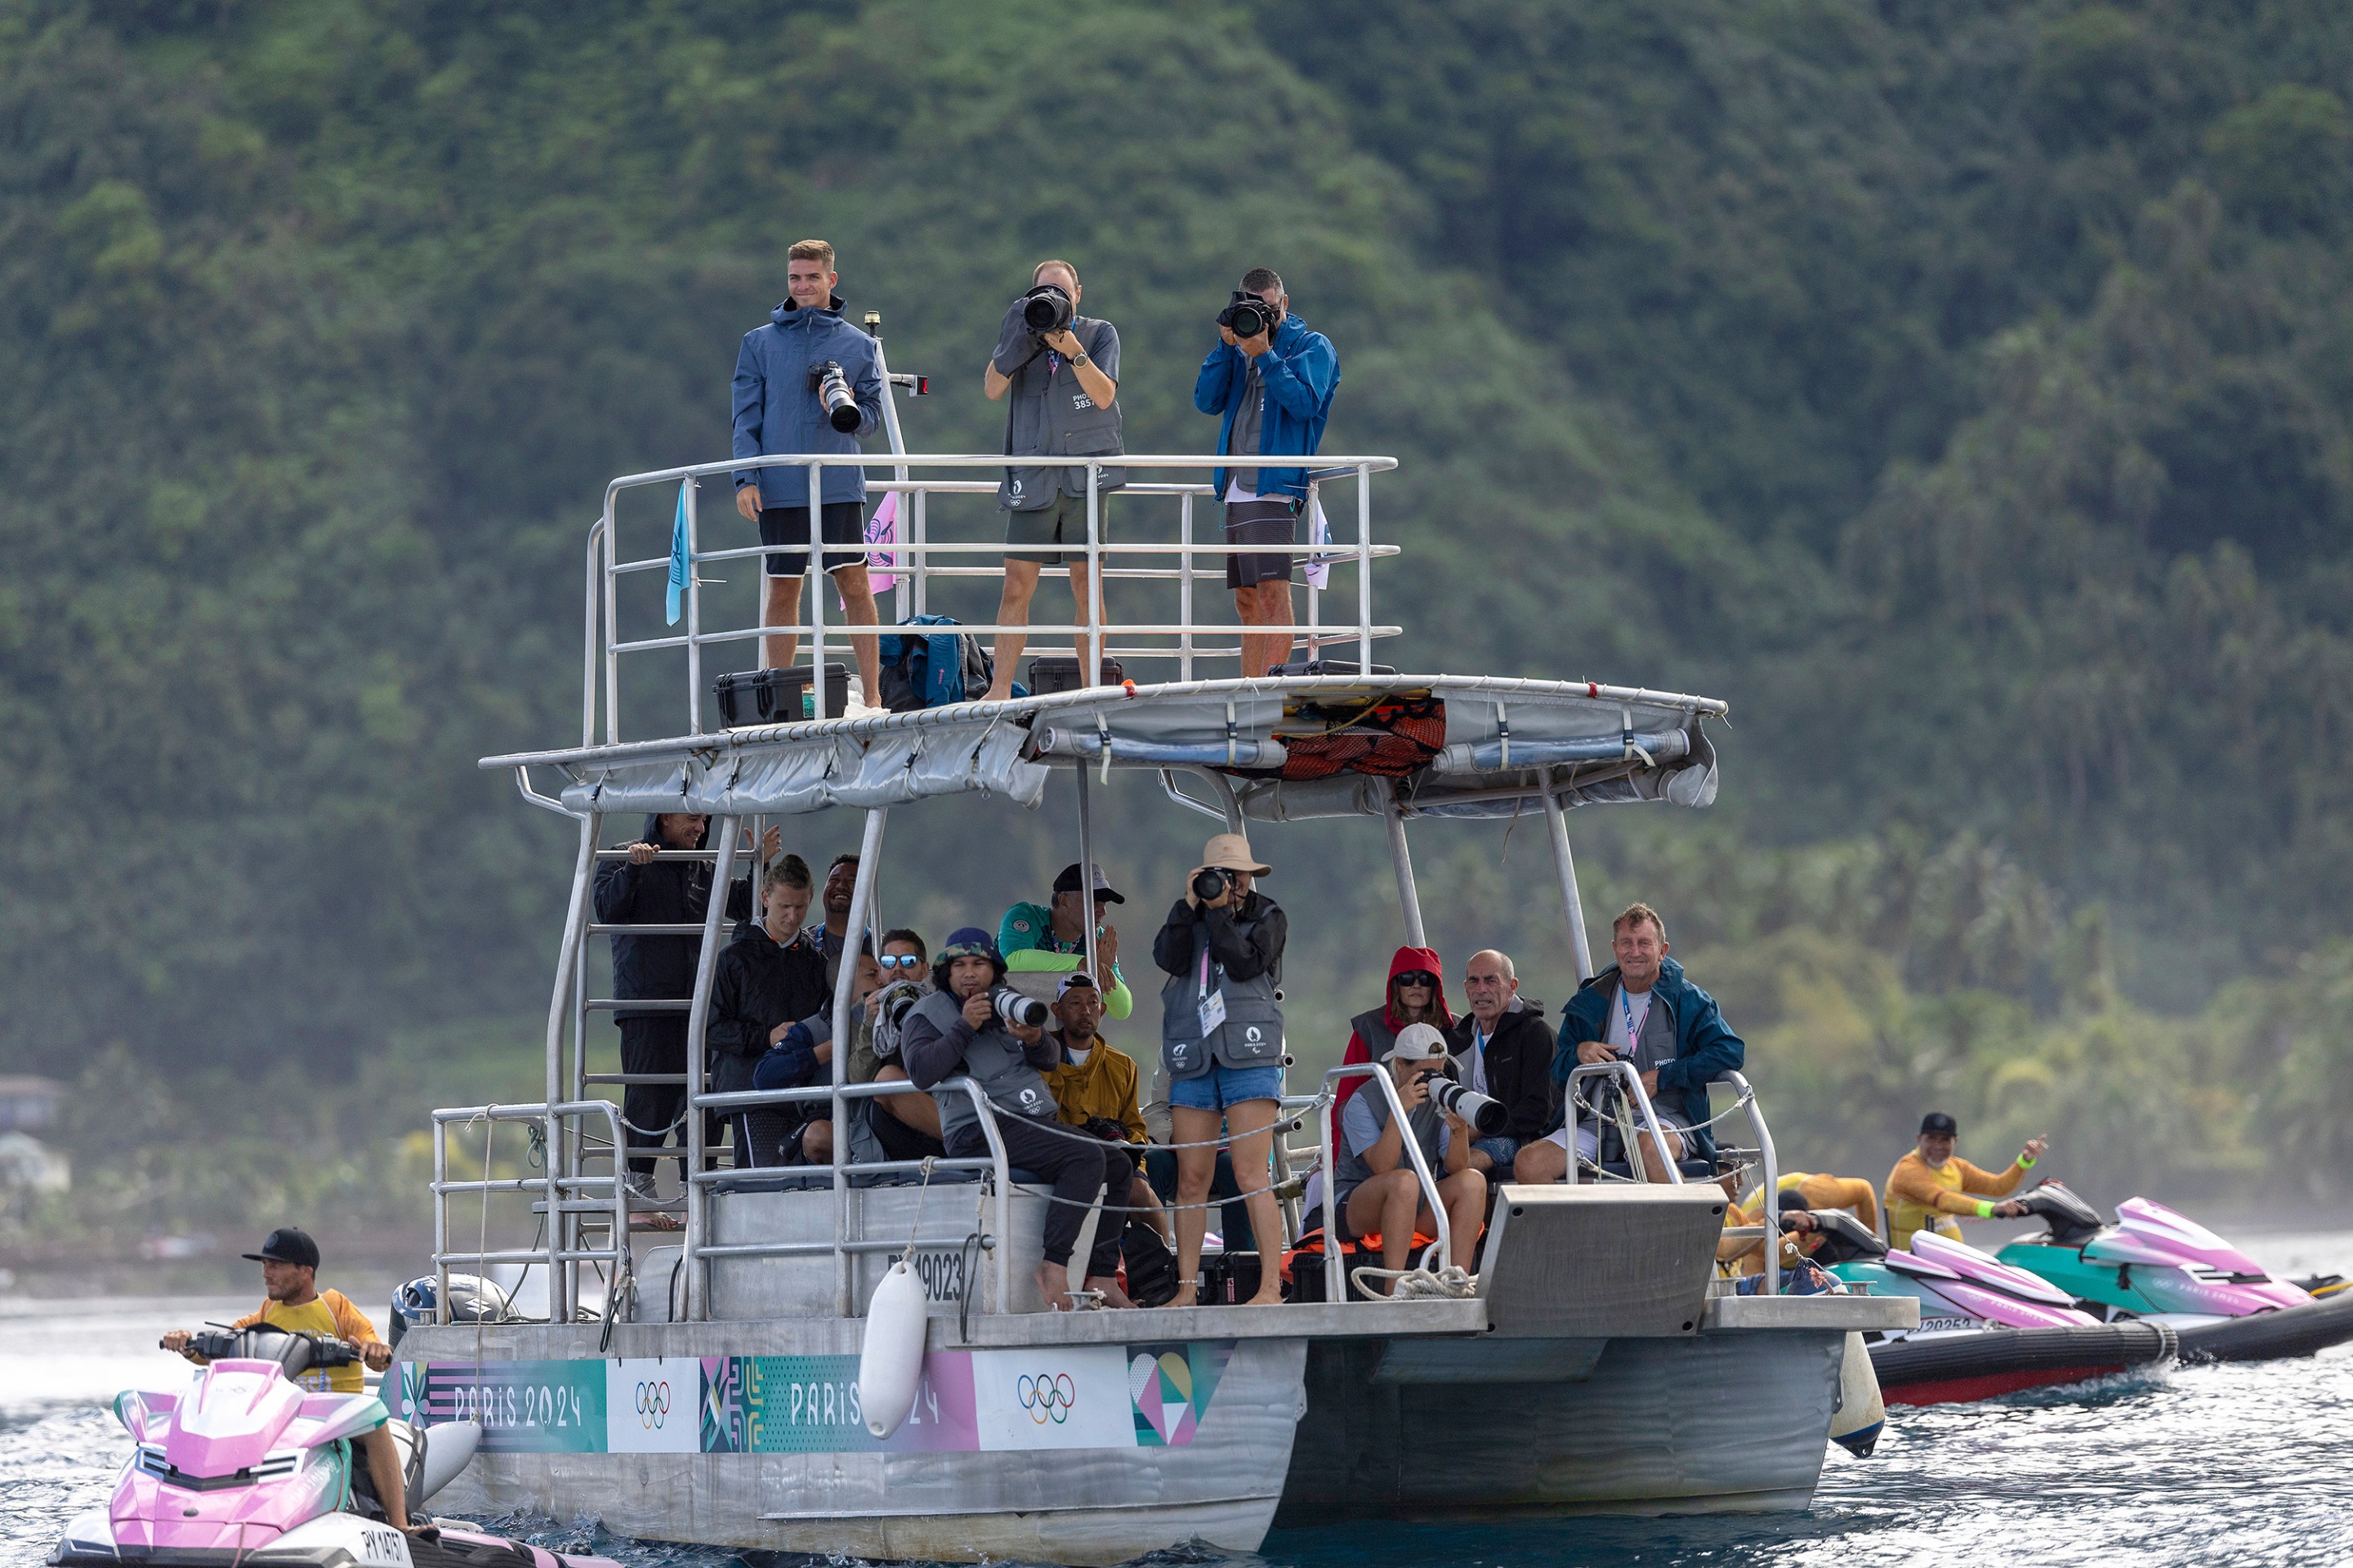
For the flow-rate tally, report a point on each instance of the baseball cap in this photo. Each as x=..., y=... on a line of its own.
x=1069, y=882
x=1420, y=1043
x=1074, y=979
x=286, y=1244
x=1938, y=1121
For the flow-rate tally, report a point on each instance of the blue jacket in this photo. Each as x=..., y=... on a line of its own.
x=776, y=411
x=1705, y=1047
x=1300, y=371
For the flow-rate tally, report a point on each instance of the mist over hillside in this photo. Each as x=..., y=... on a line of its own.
x=1962, y=393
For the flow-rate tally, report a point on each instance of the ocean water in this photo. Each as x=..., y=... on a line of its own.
x=2241, y=1465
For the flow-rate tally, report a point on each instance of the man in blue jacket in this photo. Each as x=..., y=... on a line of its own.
x=1640, y=1009
x=778, y=410
x=1271, y=393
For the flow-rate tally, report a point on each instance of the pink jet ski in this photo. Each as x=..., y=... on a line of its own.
x=1988, y=1327
x=246, y=1466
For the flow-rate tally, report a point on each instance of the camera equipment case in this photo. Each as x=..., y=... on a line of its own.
x=1060, y=673
x=778, y=696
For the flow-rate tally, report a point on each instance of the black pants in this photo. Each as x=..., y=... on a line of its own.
x=654, y=1044
x=1078, y=1166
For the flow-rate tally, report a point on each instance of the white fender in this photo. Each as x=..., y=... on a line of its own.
x=1860, y=1412
x=448, y=1449
x=891, y=1362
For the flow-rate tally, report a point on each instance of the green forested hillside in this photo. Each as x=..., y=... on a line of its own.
x=1961, y=391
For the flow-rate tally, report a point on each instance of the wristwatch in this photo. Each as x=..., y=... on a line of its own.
x=1080, y=357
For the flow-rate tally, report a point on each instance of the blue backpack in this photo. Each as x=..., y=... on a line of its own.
x=933, y=669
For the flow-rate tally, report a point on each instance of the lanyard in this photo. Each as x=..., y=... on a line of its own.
x=1634, y=1025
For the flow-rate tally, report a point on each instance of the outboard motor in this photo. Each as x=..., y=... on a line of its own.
x=472, y=1299
x=2072, y=1222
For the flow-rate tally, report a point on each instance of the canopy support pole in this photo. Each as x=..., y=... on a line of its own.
x=845, y=980
x=1087, y=879
x=1401, y=859
x=698, y=1030
x=1564, y=860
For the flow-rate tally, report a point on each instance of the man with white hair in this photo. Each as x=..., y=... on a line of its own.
x=1502, y=1048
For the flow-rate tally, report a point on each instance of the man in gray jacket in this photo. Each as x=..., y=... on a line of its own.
x=1064, y=386
x=956, y=1033
x=778, y=411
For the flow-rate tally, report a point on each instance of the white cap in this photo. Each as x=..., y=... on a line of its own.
x=1420, y=1043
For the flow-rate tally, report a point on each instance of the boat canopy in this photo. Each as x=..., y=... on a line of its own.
x=1277, y=749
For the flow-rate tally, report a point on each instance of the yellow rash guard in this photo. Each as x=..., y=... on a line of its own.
x=1920, y=1197
x=329, y=1312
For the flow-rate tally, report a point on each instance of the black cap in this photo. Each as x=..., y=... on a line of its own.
x=1069, y=882
x=286, y=1244
x=1792, y=1199
x=1938, y=1121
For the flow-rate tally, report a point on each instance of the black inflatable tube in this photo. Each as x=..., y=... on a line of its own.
x=1947, y=1358
x=2290, y=1331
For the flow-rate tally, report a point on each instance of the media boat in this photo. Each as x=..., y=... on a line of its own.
x=714, y=1384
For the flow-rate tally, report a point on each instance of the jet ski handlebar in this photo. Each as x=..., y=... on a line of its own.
x=296, y=1352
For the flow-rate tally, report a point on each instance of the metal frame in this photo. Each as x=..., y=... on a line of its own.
x=1334, y=1278
x=556, y=1184
x=1646, y=1118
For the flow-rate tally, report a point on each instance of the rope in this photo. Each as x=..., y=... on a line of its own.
x=916, y=1229
x=1451, y=1283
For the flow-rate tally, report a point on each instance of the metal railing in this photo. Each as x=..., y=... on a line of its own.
x=915, y=550
x=1335, y=1272
x=1633, y=1116
x=562, y=1250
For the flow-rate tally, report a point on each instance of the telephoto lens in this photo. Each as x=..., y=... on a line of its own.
x=1014, y=1008
x=1486, y=1115
x=1210, y=885
x=1248, y=316
x=832, y=389
x=1049, y=309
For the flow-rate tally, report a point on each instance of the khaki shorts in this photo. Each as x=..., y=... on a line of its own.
x=1062, y=524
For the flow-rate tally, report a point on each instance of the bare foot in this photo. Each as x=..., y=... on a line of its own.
x=996, y=694
x=1109, y=1284
x=1266, y=1298
x=1187, y=1295
x=1054, y=1286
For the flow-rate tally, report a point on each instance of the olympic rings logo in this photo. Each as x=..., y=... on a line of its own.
x=1048, y=1396
x=653, y=1404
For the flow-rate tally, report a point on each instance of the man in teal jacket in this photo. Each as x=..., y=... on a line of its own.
x=1272, y=391
x=1642, y=1009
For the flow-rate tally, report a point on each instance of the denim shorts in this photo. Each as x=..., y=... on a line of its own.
x=1502, y=1149
x=1222, y=1085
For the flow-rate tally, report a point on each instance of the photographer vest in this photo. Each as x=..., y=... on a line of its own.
x=1249, y=1034
x=1048, y=414
x=994, y=1060
x=1350, y=1169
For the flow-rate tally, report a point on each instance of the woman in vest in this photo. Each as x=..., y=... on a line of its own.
x=1221, y=1046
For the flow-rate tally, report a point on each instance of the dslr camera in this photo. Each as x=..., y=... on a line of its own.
x=1249, y=317
x=832, y=390
x=1014, y=1008
x=1210, y=885
x=1486, y=1115
x=1046, y=310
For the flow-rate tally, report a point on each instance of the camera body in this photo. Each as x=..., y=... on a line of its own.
x=1047, y=308
x=1210, y=885
x=1486, y=1115
x=1014, y=1008
x=832, y=390
x=1249, y=317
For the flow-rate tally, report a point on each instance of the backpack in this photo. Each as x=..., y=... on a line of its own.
x=935, y=669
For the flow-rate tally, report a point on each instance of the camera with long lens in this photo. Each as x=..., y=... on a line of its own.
x=832, y=390
x=1046, y=310
x=1210, y=885
x=1014, y=1008
x=1248, y=316
x=1486, y=1115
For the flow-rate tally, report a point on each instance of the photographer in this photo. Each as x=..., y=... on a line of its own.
x=1061, y=370
x=1375, y=1189
x=1272, y=389
x=1221, y=1046
x=962, y=1031
x=781, y=389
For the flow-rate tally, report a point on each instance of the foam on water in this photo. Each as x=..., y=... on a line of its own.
x=2243, y=1464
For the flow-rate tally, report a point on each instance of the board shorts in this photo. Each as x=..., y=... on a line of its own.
x=840, y=522
x=1588, y=1135
x=1266, y=521
x=1056, y=534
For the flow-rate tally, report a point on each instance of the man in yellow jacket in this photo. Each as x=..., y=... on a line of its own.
x=1093, y=1085
x=289, y=1278
x=1930, y=1187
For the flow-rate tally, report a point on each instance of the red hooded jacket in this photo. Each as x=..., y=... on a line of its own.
x=1371, y=1034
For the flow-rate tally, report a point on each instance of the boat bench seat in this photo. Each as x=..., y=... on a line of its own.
x=820, y=1178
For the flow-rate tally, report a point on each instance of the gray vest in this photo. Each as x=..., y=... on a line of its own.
x=1050, y=414
x=994, y=1060
x=1423, y=1123
x=1251, y=1034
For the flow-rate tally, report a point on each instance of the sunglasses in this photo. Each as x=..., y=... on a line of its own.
x=1423, y=978
x=899, y=961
